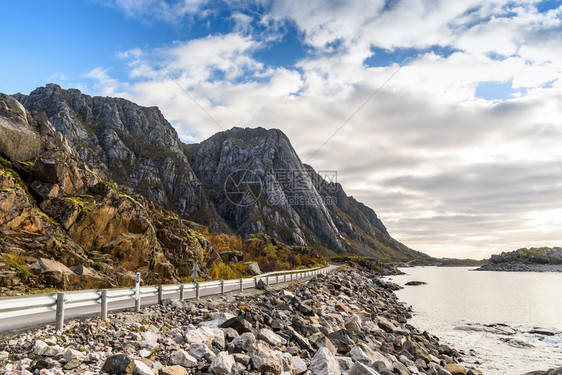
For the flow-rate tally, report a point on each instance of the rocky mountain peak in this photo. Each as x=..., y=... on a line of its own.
x=242, y=180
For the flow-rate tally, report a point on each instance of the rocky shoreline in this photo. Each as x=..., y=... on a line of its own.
x=542, y=259
x=520, y=267
x=346, y=322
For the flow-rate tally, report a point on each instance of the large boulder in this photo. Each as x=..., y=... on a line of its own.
x=265, y=359
x=119, y=364
x=18, y=141
x=253, y=269
x=324, y=363
x=222, y=364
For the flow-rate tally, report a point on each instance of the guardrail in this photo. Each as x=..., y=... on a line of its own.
x=13, y=307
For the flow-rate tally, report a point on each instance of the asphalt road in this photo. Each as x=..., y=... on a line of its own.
x=32, y=320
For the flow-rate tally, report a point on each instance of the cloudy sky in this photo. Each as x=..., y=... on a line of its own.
x=443, y=116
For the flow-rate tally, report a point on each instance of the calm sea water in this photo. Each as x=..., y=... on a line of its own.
x=456, y=299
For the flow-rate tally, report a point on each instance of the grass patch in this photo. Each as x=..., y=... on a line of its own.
x=123, y=195
x=17, y=262
x=85, y=205
x=45, y=216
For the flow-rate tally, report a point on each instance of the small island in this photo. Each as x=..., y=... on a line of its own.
x=543, y=259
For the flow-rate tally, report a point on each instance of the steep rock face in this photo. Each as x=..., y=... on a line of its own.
x=359, y=224
x=259, y=184
x=53, y=205
x=135, y=146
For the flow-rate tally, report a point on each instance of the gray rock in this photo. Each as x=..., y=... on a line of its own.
x=237, y=323
x=119, y=364
x=324, y=363
x=18, y=140
x=182, y=358
x=359, y=355
x=299, y=365
x=270, y=337
x=253, y=269
x=244, y=342
x=353, y=324
x=244, y=359
x=264, y=359
x=142, y=368
x=199, y=351
x=222, y=364
x=360, y=369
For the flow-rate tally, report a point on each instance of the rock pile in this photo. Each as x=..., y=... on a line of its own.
x=341, y=323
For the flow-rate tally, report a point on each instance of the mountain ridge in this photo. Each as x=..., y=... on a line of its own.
x=138, y=148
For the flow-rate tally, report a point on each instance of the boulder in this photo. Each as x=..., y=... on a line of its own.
x=199, y=351
x=415, y=283
x=119, y=364
x=238, y=323
x=455, y=369
x=353, y=324
x=173, y=370
x=253, y=269
x=270, y=337
x=265, y=359
x=142, y=369
x=222, y=364
x=299, y=365
x=359, y=368
x=244, y=342
x=44, y=265
x=324, y=363
x=182, y=358
x=18, y=141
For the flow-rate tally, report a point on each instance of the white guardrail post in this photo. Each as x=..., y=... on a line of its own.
x=104, y=304
x=197, y=290
x=59, y=320
x=182, y=292
x=222, y=287
x=241, y=284
x=160, y=294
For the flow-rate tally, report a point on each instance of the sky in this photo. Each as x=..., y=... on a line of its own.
x=443, y=116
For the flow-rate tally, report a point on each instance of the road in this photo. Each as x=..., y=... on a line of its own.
x=32, y=320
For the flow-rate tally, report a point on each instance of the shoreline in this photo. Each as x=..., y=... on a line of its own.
x=520, y=267
x=497, y=343
x=339, y=322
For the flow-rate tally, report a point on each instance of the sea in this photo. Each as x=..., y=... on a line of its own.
x=502, y=322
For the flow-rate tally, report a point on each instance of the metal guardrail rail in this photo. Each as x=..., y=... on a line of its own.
x=19, y=306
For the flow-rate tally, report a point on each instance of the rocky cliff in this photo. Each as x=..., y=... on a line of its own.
x=135, y=146
x=542, y=259
x=63, y=224
x=241, y=181
x=258, y=184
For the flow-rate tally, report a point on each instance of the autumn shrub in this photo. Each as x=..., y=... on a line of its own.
x=223, y=271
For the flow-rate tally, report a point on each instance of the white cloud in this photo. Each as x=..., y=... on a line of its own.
x=449, y=173
x=167, y=11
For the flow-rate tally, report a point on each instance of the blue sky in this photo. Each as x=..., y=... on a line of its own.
x=457, y=141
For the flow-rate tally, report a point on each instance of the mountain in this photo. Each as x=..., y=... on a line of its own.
x=135, y=146
x=63, y=225
x=291, y=200
x=240, y=181
x=543, y=259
